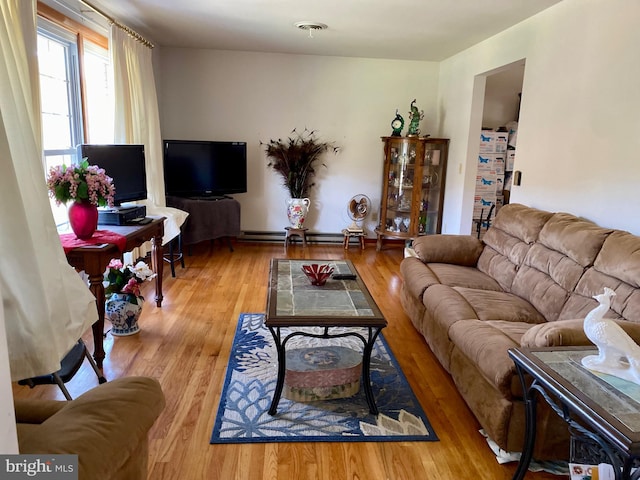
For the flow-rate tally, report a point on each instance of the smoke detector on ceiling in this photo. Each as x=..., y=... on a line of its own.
x=311, y=26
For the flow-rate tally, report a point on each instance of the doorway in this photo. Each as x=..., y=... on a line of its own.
x=497, y=138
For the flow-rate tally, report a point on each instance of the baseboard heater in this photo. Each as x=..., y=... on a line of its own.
x=277, y=237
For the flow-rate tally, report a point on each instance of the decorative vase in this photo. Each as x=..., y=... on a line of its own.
x=123, y=314
x=83, y=218
x=297, y=209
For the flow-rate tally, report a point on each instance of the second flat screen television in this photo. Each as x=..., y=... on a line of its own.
x=125, y=164
x=204, y=168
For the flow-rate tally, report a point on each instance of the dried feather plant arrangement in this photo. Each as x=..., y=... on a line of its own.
x=295, y=159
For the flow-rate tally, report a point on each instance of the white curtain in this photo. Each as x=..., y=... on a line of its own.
x=136, y=111
x=137, y=121
x=47, y=306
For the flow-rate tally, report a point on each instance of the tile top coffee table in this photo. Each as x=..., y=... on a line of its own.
x=293, y=302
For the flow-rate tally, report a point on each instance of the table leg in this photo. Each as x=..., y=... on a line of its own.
x=282, y=368
x=366, y=370
x=157, y=263
x=97, y=288
x=530, y=399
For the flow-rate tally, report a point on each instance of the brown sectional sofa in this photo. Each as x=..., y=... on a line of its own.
x=529, y=283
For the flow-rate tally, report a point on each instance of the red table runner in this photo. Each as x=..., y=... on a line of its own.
x=70, y=241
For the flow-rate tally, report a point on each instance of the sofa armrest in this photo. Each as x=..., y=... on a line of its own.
x=568, y=333
x=36, y=411
x=455, y=249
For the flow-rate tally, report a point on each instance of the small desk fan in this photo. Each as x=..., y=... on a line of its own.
x=358, y=208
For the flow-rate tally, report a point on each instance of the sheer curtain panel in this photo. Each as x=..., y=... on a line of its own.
x=136, y=112
x=137, y=121
x=47, y=306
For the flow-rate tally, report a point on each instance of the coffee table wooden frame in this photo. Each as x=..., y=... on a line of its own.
x=274, y=322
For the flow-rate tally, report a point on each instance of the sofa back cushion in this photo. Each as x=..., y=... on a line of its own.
x=566, y=247
x=617, y=266
x=507, y=242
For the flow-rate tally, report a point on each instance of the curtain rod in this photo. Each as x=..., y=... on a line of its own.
x=130, y=31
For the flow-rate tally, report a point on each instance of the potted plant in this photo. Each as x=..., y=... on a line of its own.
x=296, y=159
x=87, y=187
x=123, y=299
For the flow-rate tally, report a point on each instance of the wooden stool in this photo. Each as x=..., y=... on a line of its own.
x=301, y=232
x=347, y=236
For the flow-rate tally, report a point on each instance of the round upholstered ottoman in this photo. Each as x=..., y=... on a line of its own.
x=322, y=373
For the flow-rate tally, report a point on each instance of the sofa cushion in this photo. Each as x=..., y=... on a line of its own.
x=617, y=266
x=620, y=258
x=468, y=277
x=443, y=307
x=455, y=249
x=508, y=240
x=499, y=258
x=568, y=333
x=578, y=239
x=581, y=301
x=487, y=347
x=417, y=276
x=567, y=245
x=553, y=334
x=491, y=305
x=521, y=221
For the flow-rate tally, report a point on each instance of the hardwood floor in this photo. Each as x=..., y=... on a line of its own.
x=185, y=345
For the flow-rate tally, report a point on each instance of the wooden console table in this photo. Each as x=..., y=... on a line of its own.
x=93, y=259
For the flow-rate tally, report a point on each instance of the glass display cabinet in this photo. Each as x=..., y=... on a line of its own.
x=413, y=187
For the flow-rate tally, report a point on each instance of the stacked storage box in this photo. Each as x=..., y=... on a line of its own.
x=491, y=170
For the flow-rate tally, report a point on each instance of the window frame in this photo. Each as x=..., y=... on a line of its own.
x=72, y=36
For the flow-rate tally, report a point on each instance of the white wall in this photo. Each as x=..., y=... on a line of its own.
x=253, y=97
x=501, y=99
x=578, y=141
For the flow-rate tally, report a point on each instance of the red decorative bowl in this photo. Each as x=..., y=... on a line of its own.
x=318, y=274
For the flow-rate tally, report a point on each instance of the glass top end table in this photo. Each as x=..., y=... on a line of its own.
x=600, y=408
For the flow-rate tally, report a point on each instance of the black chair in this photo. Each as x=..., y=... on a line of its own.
x=172, y=256
x=484, y=222
x=69, y=366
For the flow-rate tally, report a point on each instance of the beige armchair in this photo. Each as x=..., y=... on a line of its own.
x=106, y=427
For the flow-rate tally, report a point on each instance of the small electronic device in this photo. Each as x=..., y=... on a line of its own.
x=344, y=276
x=122, y=215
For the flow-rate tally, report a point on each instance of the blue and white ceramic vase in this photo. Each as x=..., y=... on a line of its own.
x=123, y=314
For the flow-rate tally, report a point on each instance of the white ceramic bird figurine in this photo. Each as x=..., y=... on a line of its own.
x=618, y=354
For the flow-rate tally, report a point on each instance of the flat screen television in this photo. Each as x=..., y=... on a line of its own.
x=204, y=168
x=125, y=164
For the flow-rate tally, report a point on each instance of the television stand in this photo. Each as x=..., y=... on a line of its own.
x=211, y=197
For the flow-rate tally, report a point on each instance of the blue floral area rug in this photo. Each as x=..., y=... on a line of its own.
x=250, y=382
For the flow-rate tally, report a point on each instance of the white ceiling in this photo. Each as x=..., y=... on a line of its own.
x=429, y=30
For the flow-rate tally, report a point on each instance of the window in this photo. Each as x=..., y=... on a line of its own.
x=99, y=100
x=63, y=124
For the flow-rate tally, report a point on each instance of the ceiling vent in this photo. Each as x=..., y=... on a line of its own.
x=311, y=27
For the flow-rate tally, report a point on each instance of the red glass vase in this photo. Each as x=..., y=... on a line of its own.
x=83, y=218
